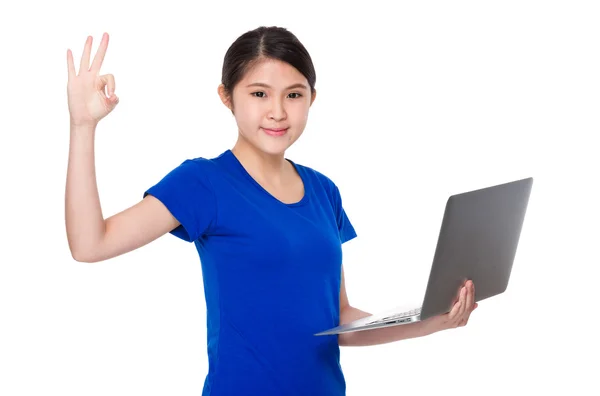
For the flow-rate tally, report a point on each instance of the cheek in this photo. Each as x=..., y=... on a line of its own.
x=300, y=115
x=249, y=115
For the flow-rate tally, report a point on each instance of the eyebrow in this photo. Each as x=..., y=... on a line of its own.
x=259, y=84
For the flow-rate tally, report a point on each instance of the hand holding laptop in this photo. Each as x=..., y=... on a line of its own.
x=459, y=314
x=477, y=243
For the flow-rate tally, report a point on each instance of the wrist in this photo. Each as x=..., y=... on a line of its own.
x=433, y=325
x=79, y=128
x=83, y=123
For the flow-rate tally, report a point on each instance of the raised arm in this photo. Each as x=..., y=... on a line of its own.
x=92, y=238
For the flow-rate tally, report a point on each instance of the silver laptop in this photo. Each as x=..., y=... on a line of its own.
x=478, y=240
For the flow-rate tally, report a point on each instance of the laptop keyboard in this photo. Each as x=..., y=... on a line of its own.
x=398, y=316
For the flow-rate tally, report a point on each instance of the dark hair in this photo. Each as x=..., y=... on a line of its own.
x=265, y=43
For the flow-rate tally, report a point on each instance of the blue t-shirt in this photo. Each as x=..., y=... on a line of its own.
x=271, y=274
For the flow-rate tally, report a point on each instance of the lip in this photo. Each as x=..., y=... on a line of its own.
x=275, y=132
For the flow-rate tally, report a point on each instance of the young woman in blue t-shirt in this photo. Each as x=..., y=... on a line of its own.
x=268, y=231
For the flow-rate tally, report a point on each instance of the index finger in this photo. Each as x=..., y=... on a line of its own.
x=99, y=58
x=70, y=65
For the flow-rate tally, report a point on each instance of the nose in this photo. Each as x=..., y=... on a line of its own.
x=277, y=111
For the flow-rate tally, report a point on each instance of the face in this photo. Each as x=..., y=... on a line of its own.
x=270, y=105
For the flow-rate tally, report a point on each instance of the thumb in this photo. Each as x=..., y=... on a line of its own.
x=113, y=101
x=108, y=81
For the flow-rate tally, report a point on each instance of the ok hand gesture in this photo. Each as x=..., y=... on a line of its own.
x=88, y=101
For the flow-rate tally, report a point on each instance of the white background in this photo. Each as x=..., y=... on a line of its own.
x=414, y=103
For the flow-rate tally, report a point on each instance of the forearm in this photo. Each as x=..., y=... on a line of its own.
x=83, y=215
x=378, y=336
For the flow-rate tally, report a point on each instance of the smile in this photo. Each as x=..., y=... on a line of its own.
x=275, y=132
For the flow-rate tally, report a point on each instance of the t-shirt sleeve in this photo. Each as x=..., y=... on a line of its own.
x=187, y=193
x=345, y=227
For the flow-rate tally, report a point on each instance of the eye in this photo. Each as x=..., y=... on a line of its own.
x=261, y=94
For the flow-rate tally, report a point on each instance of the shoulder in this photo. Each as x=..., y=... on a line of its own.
x=198, y=167
x=187, y=174
x=198, y=162
x=321, y=179
x=210, y=165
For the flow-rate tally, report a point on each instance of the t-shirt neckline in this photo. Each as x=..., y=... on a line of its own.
x=243, y=170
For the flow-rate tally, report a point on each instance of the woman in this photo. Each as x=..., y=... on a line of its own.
x=268, y=231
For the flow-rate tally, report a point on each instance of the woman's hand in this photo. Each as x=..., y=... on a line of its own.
x=88, y=102
x=460, y=312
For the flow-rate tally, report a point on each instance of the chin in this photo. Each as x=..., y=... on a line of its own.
x=269, y=145
x=273, y=148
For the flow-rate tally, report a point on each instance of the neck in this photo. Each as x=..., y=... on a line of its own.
x=268, y=167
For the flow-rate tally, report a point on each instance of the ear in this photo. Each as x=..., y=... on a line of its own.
x=314, y=95
x=224, y=97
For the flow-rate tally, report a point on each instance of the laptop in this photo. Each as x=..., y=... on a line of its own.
x=478, y=240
